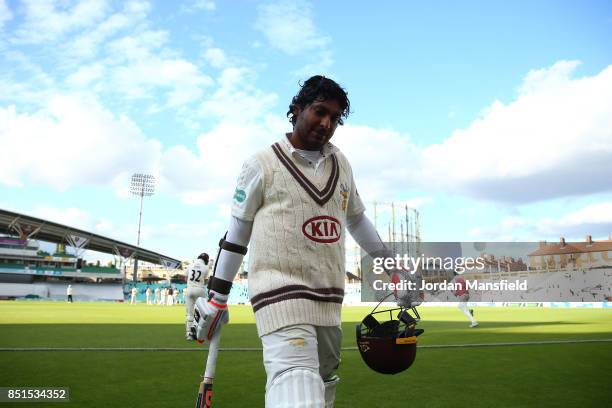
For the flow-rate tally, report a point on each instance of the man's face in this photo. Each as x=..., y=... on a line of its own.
x=315, y=124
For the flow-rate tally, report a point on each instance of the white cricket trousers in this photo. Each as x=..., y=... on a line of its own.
x=191, y=295
x=463, y=306
x=300, y=363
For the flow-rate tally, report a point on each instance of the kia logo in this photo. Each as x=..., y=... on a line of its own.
x=324, y=229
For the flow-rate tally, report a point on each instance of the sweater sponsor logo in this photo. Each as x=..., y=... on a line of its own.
x=323, y=229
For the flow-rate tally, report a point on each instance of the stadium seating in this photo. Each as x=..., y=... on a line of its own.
x=57, y=291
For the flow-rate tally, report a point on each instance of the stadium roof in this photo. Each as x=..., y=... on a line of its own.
x=36, y=228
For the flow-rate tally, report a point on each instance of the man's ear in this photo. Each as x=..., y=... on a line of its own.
x=297, y=110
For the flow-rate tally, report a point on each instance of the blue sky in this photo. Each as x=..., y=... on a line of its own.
x=493, y=118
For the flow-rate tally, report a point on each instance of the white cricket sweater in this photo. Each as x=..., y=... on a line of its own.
x=296, y=263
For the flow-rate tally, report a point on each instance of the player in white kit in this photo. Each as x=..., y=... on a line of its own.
x=133, y=295
x=197, y=272
x=462, y=293
x=157, y=299
x=292, y=205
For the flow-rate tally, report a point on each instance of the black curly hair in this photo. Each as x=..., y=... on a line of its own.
x=320, y=88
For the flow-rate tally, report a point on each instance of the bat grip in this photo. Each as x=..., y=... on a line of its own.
x=211, y=360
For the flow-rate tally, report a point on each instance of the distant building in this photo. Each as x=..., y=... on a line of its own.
x=561, y=255
x=502, y=264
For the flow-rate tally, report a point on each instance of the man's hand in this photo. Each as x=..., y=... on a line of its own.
x=209, y=315
x=405, y=295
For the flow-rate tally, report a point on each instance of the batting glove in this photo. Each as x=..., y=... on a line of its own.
x=407, y=292
x=209, y=315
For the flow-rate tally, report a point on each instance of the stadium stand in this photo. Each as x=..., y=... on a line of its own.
x=83, y=292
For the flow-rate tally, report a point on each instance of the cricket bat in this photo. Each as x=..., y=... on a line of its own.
x=205, y=393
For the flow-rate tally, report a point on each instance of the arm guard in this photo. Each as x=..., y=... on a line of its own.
x=216, y=284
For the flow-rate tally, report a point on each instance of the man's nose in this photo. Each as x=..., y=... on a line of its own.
x=326, y=122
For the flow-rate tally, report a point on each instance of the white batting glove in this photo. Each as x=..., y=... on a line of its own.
x=405, y=295
x=209, y=315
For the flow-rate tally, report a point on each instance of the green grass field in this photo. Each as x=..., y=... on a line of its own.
x=547, y=375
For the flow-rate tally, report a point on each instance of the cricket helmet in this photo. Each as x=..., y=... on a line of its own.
x=388, y=347
x=204, y=256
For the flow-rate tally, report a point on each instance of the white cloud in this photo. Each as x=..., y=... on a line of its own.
x=509, y=229
x=214, y=196
x=236, y=99
x=208, y=5
x=86, y=75
x=89, y=43
x=554, y=140
x=194, y=237
x=591, y=214
x=382, y=161
x=103, y=227
x=72, y=141
x=73, y=217
x=137, y=46
x=289, y=27
x=548, y=79
x=418, y=202
x=385, y=162
x=107, y=49
x=181, y=170
x=48, y=20
x=5, y=14
x=86, y=145
x=185, y=79
x=594, y=219
x=39, y=85
x=194, y=6
x=215, y=57
x=321, y=65
x=140, y=66
x=208, y=176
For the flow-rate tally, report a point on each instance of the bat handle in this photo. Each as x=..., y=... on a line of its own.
x=211, y=360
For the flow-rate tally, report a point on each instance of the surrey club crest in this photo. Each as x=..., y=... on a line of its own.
x=344, y=193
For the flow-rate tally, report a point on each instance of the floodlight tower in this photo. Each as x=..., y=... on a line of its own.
x=142, y=185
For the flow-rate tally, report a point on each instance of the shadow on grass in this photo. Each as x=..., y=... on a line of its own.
x=490, y=377
x=453, y=332
x=117, y=335
x=245, y=335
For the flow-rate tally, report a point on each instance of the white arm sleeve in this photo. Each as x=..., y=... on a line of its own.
x=248, y=196
x=239, y=232
x=363, y=232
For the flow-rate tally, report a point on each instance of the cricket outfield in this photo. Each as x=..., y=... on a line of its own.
x=121, y=355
